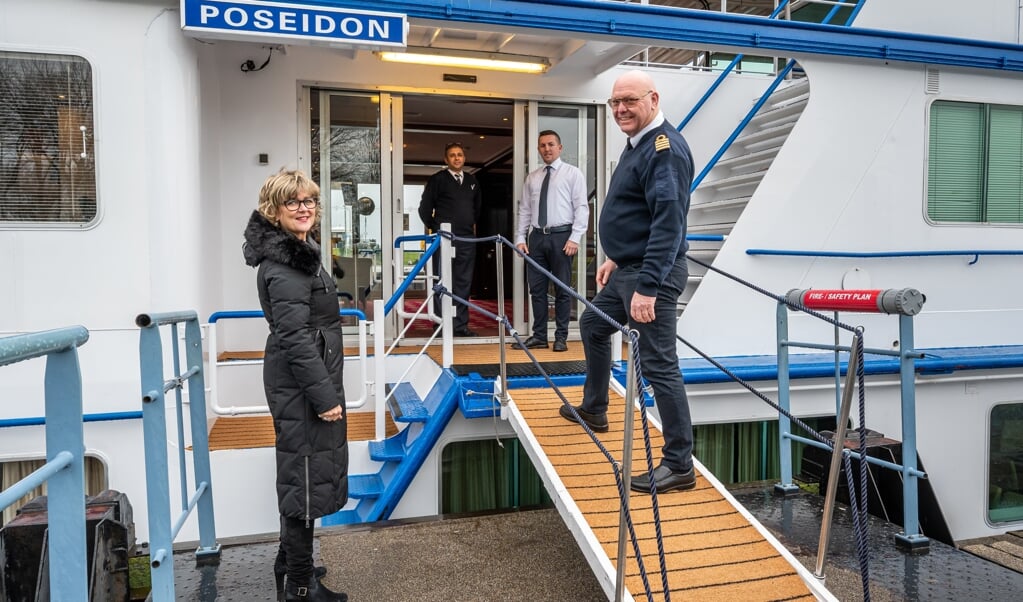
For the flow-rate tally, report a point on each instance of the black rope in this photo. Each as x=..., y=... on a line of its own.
x=858, y=506
x=439, y=289
x=862, y=549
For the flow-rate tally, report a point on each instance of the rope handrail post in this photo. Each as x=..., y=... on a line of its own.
x=154, y=425
x=501, y=318
x=838, y=447
x=910, y=538
x=64, y=470
x=786, y=486
x=447, y=307
x=626, y=473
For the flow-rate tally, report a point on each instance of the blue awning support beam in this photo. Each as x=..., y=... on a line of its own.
x=678, y=27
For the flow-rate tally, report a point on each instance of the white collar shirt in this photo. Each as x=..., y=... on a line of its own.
x=566, y=201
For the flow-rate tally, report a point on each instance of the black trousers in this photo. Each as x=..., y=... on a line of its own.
x=462, y=266
x=297, y=548
x=547, y=250
x=658, y=355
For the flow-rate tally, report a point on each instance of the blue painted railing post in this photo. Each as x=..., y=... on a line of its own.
x=911, y=538
x=64, y=470
x=208, y=547
x=786, y=486
x=66, y=489
x=154, y=429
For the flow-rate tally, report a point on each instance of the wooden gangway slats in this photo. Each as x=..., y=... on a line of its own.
x=712, y=550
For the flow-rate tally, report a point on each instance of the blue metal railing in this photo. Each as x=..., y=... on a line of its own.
x=154, y=427
x=976, y=253
x=720, y=78
x=64, y=471
x=100, y=417
x=434, y=241
x=767, y=94
x=911, y=536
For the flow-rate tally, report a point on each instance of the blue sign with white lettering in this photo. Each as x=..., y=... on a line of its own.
x=252, y=19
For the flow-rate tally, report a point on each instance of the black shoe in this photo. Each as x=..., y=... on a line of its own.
x=560, y=345
x=596, y=422
x=314, y=592
x=666, y=479
x=532, y=343
x=464, y=332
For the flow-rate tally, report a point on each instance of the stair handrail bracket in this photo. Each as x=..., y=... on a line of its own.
x=64, y=470
x=154, y=425
x=904, y=303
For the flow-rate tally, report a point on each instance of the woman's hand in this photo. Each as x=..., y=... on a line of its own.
x=337, y=413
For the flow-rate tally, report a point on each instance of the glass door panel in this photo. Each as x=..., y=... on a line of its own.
x=347, y=162
x=577, y=127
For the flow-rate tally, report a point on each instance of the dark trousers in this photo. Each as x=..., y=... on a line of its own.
x=657, y=353
x=462, y=266
x=547, y=250
x=297, y=548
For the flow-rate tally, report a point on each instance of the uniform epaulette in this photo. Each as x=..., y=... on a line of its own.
x=661, y=143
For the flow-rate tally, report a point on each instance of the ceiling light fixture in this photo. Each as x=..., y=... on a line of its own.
x=469, y=60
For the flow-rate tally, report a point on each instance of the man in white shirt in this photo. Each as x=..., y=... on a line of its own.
x=553, y=217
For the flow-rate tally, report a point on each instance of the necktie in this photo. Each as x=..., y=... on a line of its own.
x=458, y=178
x=628, y=144
x=541, y=216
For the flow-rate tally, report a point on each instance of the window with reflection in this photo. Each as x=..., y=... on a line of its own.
x=1005, y=468
x=47, y=152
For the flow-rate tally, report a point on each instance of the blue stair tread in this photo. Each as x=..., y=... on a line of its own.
x=341, y=517
x=391, y=449
x=406, y=406
x=365, y=486
x=483, y=406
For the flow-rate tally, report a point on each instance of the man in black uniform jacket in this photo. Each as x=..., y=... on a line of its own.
x=453, y=196
x=642, y=229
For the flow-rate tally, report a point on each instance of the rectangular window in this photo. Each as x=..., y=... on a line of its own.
x=975, y=163
x=483, y=476
x=1005, y=468
x=47, y=152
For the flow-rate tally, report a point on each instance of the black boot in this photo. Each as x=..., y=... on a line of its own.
x=281, y=570
x=315, y=592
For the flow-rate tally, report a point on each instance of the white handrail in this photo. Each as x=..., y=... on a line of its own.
x=214, y=364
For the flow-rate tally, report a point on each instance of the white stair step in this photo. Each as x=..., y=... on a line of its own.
x=760, y=158
x=745, y=179
x=716, y=204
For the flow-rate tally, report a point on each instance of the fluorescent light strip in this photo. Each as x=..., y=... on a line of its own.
x=469, y=62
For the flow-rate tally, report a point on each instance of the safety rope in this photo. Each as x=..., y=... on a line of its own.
x=858, y=505
x=439, y=289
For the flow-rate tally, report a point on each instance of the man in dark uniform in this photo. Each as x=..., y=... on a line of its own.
x=453, y=196
x=642, y=229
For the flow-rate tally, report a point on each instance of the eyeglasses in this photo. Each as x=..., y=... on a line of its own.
x=628, y=102
x=309, y=203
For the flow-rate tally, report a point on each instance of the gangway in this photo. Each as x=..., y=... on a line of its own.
x=714, y=548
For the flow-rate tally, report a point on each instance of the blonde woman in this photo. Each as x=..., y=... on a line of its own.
x=302, y=375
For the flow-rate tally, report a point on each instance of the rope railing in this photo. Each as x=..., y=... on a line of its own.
x=905, y=303
x=621, y=471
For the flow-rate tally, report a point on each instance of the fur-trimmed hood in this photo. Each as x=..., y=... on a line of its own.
x=263, y=240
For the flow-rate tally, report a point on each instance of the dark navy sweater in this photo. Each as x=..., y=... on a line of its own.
x=643, y=221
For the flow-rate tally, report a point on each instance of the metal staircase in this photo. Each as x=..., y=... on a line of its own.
x=731, y=183
x=401, y=455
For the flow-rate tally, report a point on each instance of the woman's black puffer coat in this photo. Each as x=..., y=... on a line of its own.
x=302, y=370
